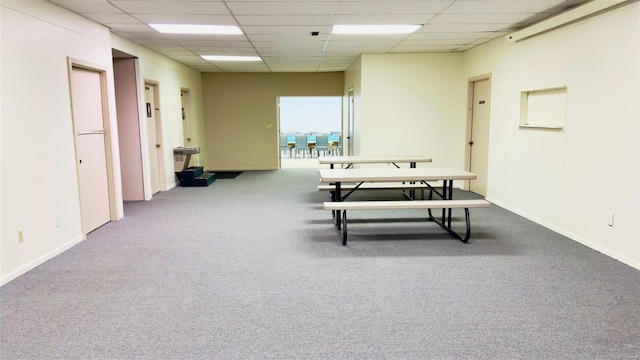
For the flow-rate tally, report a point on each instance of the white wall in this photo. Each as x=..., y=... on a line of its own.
x=570, y=180
x=567, y=180
x=38, y=155
x=39, y=180
x=412, y=104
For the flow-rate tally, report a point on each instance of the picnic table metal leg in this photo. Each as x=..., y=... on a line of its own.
x=344, y=227
x=444, y=197
x=452, y=232
x=445, y=221
x=338, y=197
x=449, y=197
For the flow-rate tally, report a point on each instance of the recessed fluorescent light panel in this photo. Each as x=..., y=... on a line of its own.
x=230, y=58
x=374, y=29
x=197, y=29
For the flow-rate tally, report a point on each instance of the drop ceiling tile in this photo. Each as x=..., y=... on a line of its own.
x=473, y=44
x=329, y=56
x=201, y=19
x=453, y=28
x=368, y=38
x=134, y=29
x=278, y=31
x=294, y=69
x=284, y=7
x=392, y=7
x=341, y=53
x=287, y=30
x=228, y=51
x=108, y=18
x=204, y=69
x=172, y=7
x=444, y=36
x=505, y=19
x=288, y=44
x=286, y=52
x=261, y=68
x=206, y=39
x=229, y=47
x=153, y=42
x=366, y=42
x=431, y=42
x=413, y=19
x=361, y=49
x=285, y=20
x=501, y=6
x=88, y=6
x=164, y=47
x=287, y=37
x=420, y=49
x=308, y=60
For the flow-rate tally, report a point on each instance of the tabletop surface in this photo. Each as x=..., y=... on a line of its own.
x=371, y=159
x=394, y=174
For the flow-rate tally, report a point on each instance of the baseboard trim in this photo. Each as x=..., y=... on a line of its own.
x=171, y=186
x=4, y=279
x=577, y=238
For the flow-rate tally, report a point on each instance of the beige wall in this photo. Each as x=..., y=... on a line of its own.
x=569, y=180
x=241, y=128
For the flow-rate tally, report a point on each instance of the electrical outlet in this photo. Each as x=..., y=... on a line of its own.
x=20, y=236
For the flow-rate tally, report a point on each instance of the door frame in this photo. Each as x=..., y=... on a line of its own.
x=278, y=131
x=469, y=124
x=106, y=121
x=351, y=104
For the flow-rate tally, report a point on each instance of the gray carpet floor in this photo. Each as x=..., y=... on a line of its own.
x=252, y=268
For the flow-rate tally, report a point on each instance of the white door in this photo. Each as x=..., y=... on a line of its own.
x=86, y=94
x=479, y=140
x=152, y=138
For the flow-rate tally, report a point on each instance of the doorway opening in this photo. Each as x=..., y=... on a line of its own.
x=128, y=107
x=310, y=126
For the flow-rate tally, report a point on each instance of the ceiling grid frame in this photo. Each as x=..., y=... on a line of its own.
x=279, y=31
